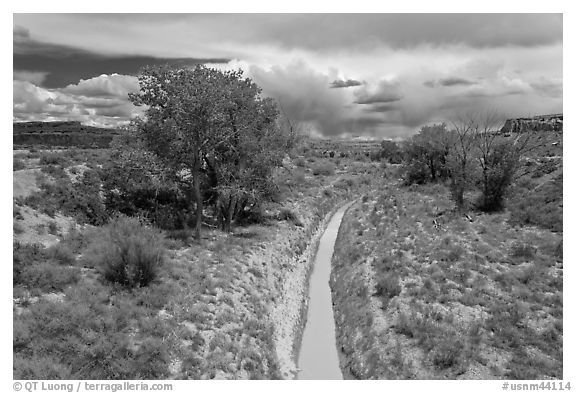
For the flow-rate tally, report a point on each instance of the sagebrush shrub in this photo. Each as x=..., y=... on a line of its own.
x=80, y=200
x=24, y=255
x=447, y=353
x=522, y=250
x=128, y=252
x=61, y=254
x=388, y=286
x=286, y=214
x=539, y=206
x=52, y=159
x=323, y=168
x=17, y=228
x=48, y=276
x=53, y=228
x=300, y=161
x=18, y=165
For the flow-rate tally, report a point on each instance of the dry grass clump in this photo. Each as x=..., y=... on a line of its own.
x=128, y=252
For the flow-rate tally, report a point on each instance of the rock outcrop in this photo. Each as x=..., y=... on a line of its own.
x=536, y=123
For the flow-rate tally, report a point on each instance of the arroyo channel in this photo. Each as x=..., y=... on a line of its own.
x=318, y=357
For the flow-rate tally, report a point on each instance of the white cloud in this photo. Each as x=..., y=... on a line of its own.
x=101, y=101
x=114, y=85
x=35, y=77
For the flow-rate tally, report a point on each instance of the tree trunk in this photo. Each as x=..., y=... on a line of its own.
x=230, y=213
x=198, y=197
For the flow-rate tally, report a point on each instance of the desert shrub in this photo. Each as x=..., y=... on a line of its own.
x=16, y=213
x=559, y=250
x=447, y=353
x=52, y=228
x=544, y=168
x=390, y=152
x=128, y=252
x=80, y=200
x=43, y=269
x=522, y=250
x=179, y=235
x=327, y=192
x=56, y=171
x=345, y=184
x=454, y=253
x=76, y=240
x=18, y=165
x=324, y=168
x=415, y=173
x=499, y=165
x=151, y=360
x=60, y=253
x=540, y=206
x=24, y=255
x=254, y=215
x=137, y=193
x=48, y=276
x=52, y=159
x=406, y=324
x=300, y=161
x=286, y=214
x=388, y=286
x=82, y=339
x=17, y=228
x=375, y=156
x=40, y=229
x=40, y=367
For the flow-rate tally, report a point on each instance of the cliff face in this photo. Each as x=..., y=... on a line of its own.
x=536, y=123
x=61, y=134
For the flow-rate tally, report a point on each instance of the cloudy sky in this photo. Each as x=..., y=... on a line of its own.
x=382, y=75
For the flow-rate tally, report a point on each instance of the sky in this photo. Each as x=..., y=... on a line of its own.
x=376, y=75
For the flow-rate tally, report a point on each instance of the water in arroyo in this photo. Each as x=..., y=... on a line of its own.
x=318, y=358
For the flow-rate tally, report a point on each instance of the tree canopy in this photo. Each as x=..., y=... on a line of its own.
x=214, y=133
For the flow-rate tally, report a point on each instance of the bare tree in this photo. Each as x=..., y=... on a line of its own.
x=459, y=157
x=481, y=157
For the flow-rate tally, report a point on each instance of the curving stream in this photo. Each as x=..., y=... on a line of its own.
x=318, y=357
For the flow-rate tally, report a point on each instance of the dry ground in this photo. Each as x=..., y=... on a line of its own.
x=424, y=292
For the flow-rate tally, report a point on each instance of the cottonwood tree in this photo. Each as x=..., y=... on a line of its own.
x=211, y=130
x=183, y=121
x=136, y=182
x=459, y=157
x=255, y=144
x=426, y=153
x=391, y=152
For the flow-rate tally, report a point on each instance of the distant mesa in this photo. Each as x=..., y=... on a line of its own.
x=536, y=123
x=61, y=134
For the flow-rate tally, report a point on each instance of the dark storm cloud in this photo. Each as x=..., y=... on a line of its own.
x=382, y=108
x=324, y=32
x=332, y=32
x=450, y=81
x=306, y=97
x=63, y=65
x=339, y=83
x=384, y=92
x=456, y=81
x=21, y=33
